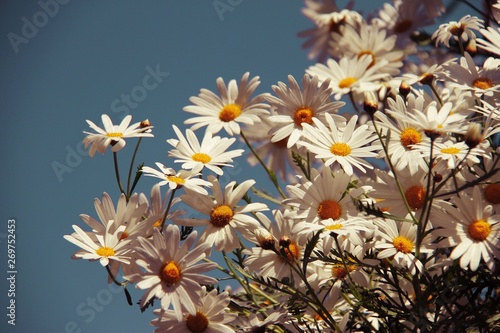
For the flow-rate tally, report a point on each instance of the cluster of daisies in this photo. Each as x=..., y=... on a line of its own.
x=381, y=196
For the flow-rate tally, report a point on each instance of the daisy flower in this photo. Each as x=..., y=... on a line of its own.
x=234, y=106
x=327, y=18
x=175, y=180
x=356, y=74
x=210, y=154
x=113, y=135
x=295, y=107
x=347, y=146
x=433, y=121
x=370, y=40
x=224, y=217
x=210, y=316
x=468, y=77
x=104, y=247
x=403, y=136
x=461, y=30
x=397, y=242
x=492, y=42
x=451, y=153
x=471, y=230
x=268, y=260
x=170, y=270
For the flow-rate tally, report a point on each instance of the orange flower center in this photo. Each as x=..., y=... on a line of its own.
x=340, y=272
x=329, y=209
x=482, y=83
x=410, y=136
x=292, y=251
x=492, y=194
x=402, y=244
x=170, y=273
x=374, y=58
x=229, y=112
x=221, y=215
x=201, y=157
x=415, y=196
x=340, y=149
x=303, y=115
x=105, y=252
x=124, y=235
x=347, y=82
x=479, y=230
x=197, y=323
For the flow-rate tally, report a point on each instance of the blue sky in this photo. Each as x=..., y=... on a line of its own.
x=77, y=63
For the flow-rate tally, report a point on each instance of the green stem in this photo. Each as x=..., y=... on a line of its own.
x=117, y=173
x=130, y=168
x=167, y=209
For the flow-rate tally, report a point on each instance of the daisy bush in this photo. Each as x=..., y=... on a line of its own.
x=382, y=207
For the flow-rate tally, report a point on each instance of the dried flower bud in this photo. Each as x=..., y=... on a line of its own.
x=473, y=137
x=265, y=239
x=426, y=79
x=437, y=177
x=145, y=123
x=285, y=241
x=404, y=89
x=371, y=103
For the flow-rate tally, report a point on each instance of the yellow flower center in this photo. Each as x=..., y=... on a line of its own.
x=197, y=323
x=374, y=57
x=340, y=149
x=114, y=135
x=221, y=215
x=178, y=180
x=292, y=251
x=229, y=112
x=450, y=150
x=492, y=194
x=201, y=157
x=403, y=26
x=157, y=223
x=410, y=136
x=340, y=272
x=303, y=115
x=347, y=82
x=415, y=196
x=402, y=244
x=334, y=226
x=170, y=273
x=329, y=209
x=479, y=230
x=105, y=252
x=482, y=83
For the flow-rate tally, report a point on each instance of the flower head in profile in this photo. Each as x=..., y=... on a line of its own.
x=210, y=315
x=171, y=271
x=224, y=216
x=113, y=135
x=461, y=30
x=234, y=106
x=295, y=107
x=176, y=180
x=210, y=153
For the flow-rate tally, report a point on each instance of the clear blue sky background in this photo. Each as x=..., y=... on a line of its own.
x=76, y=66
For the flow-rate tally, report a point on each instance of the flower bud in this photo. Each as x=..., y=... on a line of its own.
x=426, y=78
x=145, y=123
x=471, y=47
x=473, y=137
x=404, y=89
x=371, y=103
x=265, y=239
